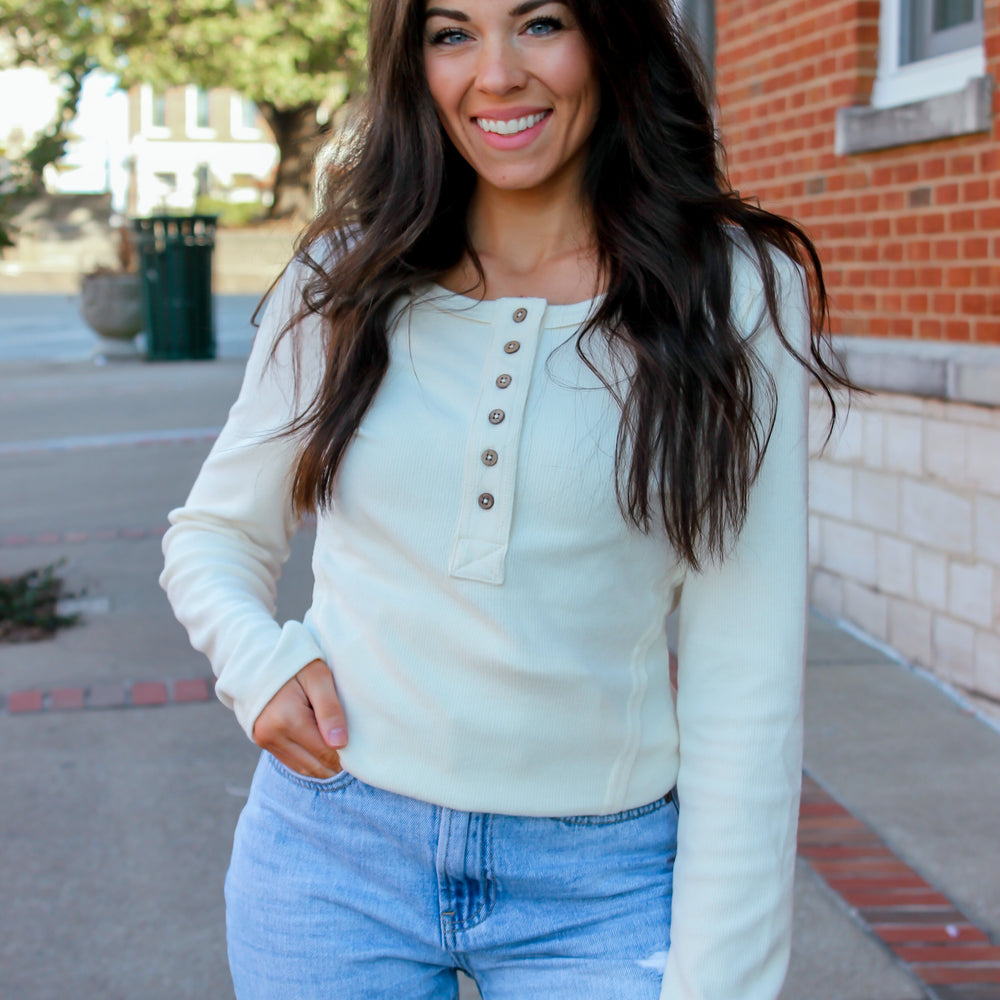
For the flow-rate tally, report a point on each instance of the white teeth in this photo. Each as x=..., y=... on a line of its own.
x=511, y=127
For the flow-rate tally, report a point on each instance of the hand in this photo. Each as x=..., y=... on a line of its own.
x=303, y=724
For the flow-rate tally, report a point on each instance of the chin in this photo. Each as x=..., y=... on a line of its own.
x=516, y=181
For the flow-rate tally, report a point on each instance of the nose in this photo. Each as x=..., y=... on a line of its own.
x=500, y=70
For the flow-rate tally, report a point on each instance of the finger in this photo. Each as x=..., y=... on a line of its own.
x=287, y=729
x=317, y=683
x=300, y=760
x=306, y=741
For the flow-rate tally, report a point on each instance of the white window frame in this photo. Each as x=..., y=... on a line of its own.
x=899, y=82
x=146, y=126
x=694, y=14
x=192, y=128
x=236, y=127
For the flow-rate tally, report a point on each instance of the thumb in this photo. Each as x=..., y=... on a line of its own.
x=317, y=682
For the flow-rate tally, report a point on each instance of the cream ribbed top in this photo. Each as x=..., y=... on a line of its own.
x=496, y=628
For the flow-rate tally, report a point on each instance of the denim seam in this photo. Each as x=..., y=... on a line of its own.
x=619, y=817
x=452, y=924
x=334, y=783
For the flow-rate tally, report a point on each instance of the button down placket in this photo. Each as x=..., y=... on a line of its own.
x=487, y=501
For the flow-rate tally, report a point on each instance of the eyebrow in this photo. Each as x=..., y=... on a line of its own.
x=457, y=15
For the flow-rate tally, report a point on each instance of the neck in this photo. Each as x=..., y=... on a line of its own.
x=522, y=230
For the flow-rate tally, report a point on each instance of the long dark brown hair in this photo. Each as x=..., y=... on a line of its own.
x=394, y=215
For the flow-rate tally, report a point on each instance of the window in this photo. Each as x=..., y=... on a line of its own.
x=927, y=48
x=153, y=112
x=158, y=115
x=931, y=81
x=936, y=27
x=698, y=17
x=203, y=115
x=198, y=113
x=244, y=118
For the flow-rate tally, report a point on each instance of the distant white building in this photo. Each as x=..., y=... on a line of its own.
x=151, y=150
x=186, y=142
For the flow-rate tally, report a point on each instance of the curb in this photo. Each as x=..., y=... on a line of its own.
x=81, y=537
x=109, y=694
x=940, y=947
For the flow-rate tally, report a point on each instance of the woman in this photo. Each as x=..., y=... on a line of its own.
x=542, y=376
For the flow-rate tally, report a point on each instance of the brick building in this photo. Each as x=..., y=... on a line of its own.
x=874, y=123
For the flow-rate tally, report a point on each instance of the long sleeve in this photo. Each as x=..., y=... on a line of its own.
x=225, y=547
x=739, y=714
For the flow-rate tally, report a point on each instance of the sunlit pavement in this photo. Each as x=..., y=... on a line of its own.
x=121, y=784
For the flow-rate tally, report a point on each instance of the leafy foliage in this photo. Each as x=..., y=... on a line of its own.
x=293, y=60
x=285, y=55
x=28, y=605
x=280, y=54
x=14, y=184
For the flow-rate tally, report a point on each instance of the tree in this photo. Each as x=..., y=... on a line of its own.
x=56, y=36
x=297, y=61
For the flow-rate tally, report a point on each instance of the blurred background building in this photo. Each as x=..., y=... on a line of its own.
x=188, y=145
x=175, y=149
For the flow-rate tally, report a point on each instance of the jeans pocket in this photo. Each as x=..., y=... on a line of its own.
x=335, y=782
x=624, y=816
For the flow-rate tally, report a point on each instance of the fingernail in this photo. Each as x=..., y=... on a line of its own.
x=336, y=737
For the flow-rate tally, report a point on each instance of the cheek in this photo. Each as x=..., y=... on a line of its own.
x=443, y=93
x=577, y=77
x=436, y=82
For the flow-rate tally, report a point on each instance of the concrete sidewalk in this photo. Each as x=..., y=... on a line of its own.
x=122, y=779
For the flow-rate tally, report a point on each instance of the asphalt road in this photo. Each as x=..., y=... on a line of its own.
x=49, y=327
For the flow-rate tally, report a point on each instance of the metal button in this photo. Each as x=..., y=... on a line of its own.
x=520, y=315
x=512, y=346
x=485, y=500
x=496, y=416
x=503, y=381
x=490, y=457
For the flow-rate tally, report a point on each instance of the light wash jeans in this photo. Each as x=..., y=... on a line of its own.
x=341, y=891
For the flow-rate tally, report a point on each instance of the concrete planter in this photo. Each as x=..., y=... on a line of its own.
x=111, y=305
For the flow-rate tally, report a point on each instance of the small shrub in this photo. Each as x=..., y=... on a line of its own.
x=28, y=605
x=234, y=214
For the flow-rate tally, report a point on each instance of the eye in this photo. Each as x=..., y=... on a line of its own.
x=541, y=26
x=448, y=36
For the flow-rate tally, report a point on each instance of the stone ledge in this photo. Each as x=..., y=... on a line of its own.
x=866, y=129
x=961, y=373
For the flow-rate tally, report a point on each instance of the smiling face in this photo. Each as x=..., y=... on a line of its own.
x=514, y=86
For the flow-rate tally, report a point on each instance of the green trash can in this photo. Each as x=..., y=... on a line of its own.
x=175, y=262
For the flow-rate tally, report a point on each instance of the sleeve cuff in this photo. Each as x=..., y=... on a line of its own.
x=248, y=692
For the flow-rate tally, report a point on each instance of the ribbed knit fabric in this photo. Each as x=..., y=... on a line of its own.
x=495, y=627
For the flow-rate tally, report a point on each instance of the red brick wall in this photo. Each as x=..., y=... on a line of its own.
x=910, y=237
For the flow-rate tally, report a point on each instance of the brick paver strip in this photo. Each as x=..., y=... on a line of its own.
x=196, y=689
x=908, y=934
x=967, y=991
x=149, y=693
x=961, y=953
x=924, y=929
x=64, y=698
x=108, y=694
x=25, y=701
x=80, y=537
x=959, y=974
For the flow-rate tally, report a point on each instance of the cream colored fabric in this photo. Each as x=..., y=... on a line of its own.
x=495, y=628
